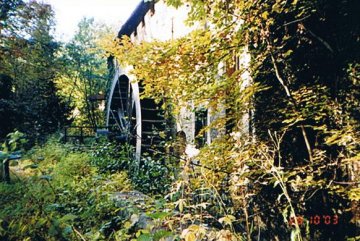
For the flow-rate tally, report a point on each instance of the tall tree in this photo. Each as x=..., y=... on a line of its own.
x=84, y=72
x=30, y=61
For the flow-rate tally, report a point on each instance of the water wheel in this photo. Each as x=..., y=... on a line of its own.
x=134, y=120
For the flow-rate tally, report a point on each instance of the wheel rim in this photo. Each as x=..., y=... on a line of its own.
x=123, y=115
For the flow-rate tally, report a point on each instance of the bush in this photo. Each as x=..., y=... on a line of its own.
x=73, y=166
x=152, y=176
x=60, y=196
x=48, y=154
x=111, y=157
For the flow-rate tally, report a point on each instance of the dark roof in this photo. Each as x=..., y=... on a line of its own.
x=136, y=17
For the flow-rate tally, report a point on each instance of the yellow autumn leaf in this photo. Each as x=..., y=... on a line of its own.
x=265, y=15
x=190, y=237
x=228, y=219
x=181, y=203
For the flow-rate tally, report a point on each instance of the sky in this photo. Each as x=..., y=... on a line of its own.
x=68, y=13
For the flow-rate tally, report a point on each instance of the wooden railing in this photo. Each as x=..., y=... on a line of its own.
x=81, y=133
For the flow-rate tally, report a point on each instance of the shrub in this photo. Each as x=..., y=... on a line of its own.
x=111, y=157
x=73, y=166
x=152, y=176
x=60, y=196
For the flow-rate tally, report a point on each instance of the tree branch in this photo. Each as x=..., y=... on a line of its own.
x=288, y=93
x=326, y=44
x=78, y=233
x=296, y=20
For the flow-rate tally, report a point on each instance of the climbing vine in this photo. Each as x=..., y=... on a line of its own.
x=301, y=90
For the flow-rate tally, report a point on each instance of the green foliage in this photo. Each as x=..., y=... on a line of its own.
x=10, y=149
x=84, y=72
x=15, y=141
x=28, y=68
x=47, y=154
x=73, y=166
x=62, y=195
x=111, y=157
x=152, y=176
x=58, y=196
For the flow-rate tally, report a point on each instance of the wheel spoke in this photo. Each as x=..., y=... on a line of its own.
x=120, y=95
x=114, y=117
x=124, y=112
x=122, y=120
